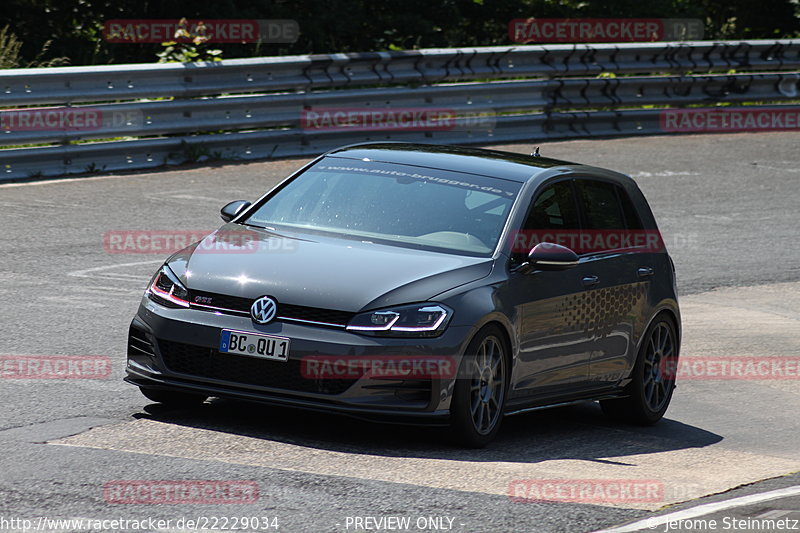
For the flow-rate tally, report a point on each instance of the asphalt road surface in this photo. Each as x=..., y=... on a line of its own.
x=728, y=207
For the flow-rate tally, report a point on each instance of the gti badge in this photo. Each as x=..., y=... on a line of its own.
x=263, y=310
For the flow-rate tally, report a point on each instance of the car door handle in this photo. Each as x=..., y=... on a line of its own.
x=589, y=281
x=645, y=272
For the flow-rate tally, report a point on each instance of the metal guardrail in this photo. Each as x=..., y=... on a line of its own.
x=254, y=108
x=487, y=99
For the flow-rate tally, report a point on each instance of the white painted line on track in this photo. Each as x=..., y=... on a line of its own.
x=89, y=271
x=56, y=180
x=702, y=510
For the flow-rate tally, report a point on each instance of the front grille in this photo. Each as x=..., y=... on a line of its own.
x=235, y=303
x=314, y=314
x=140, y=342
x=285, y=311
x=210, y=363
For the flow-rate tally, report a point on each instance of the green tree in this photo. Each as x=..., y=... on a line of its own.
x=74, y=27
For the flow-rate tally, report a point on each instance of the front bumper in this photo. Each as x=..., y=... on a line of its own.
x=177, y=349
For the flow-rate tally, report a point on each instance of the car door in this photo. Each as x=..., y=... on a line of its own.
x=554, y=352
x=610, y=235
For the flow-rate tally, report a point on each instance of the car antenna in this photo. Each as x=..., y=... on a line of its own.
x=535, y=152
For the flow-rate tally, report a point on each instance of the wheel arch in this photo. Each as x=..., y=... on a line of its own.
x=509, y=333
x=505, y=326
x=674, y=316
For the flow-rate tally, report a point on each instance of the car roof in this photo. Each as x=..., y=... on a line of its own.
x=495, y=163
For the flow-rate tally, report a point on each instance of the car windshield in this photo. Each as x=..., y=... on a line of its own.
x=394, y=204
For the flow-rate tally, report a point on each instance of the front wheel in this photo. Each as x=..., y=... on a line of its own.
x=480, y=392
x=650, y=391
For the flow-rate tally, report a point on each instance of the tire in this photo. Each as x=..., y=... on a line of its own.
x=174, y=398
x=481, y=388
x=650, y=392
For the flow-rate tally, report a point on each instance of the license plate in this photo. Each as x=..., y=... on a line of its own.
x=254, y=345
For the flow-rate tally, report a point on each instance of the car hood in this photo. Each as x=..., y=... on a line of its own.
x=320, y=271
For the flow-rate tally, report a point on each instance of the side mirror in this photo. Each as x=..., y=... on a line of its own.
x=549, y=256
x=231, y=210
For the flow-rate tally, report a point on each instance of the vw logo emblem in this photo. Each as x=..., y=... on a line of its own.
x=263, y=310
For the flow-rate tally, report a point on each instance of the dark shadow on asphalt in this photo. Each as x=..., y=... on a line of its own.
x=575, y=432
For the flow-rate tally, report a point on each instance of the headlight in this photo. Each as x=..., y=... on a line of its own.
x=167, y=289
x=416, y=320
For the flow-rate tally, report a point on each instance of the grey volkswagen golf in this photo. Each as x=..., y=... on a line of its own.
x=421, y=284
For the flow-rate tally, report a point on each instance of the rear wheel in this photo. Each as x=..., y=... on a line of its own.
x=170, y=397
x=480, y=392
x=650, y=391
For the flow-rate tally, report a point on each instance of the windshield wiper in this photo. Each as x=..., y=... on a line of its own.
x=272, y=231
x=256, y=225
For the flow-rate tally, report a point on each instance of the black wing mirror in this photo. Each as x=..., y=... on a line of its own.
x=549, y=256
x=231, y=210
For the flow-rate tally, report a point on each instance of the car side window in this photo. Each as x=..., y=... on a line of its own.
x=608, y=216
x=632, y=220
x=601, y=205
x=553, y=208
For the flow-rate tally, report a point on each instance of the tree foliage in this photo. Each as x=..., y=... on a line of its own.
x=74, y=27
